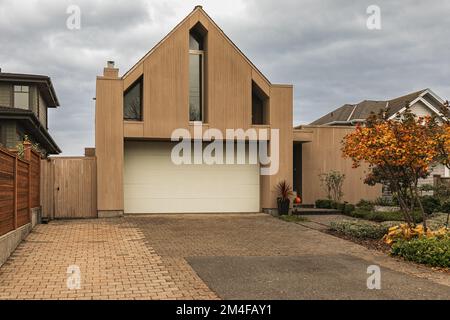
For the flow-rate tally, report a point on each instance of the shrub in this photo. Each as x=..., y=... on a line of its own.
x=349, y=208
x=332, y=183
x=340, y=207
x=445, y=206
x=365, y=205
x=431, y=251
x=359, y=229
x=325, y=204
x=430, y=204
x=380, y=216
x=385, y=202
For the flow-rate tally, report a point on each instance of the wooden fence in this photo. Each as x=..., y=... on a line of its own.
x=69, y=187
x=19, y=188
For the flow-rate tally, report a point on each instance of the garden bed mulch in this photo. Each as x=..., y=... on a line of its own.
x=375, y=244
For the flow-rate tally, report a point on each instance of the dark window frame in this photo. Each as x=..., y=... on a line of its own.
x=257, y=92
x=199, y=33
x=140, y=81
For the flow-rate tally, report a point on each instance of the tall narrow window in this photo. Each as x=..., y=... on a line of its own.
x=260, y=108
x=22, y=97
x=132, y=102
x=196, y=73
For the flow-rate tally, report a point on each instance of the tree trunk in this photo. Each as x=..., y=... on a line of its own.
x=421, y=209
x=405, y=210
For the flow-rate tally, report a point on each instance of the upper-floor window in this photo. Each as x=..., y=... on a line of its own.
x=22, y=97
x=197, y=37
x=132, y=101
x=260, y=106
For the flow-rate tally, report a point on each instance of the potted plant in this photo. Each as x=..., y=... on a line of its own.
x=284, y=191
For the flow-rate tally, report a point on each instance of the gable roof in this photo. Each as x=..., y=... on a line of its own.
x=44, y=83
x=196, y=9
x=360, y=111
x=33, y=127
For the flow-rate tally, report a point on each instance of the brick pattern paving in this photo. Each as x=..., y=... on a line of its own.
x=145, y=257
x=181, y=236
x=114, y=260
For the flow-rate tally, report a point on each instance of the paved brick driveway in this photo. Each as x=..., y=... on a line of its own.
x=147, y=257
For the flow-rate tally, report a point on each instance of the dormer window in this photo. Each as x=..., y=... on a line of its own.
x=22, y=97
x=197, y=39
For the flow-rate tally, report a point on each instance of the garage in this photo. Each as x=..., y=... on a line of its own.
x=154, y=184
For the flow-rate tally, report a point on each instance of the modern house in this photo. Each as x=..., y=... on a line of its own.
x=195, y=76
x=323, y=153
x=24, y=103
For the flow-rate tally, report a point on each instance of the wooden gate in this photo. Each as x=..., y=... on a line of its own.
x=69, y=187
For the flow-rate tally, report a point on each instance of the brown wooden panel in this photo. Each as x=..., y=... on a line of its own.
x=324, y=154
x=6, y=191
x=47, y=188
x=35, y=179
x=23, y=213
x=75, y=187
x=109, y=143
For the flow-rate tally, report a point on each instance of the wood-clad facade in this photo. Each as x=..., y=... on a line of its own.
x=321, y=153
x=227, y=102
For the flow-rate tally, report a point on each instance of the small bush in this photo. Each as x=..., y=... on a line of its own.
x=349, y=209
x=380, y=216
x=430, y=204
x=325, y=204
x=431, y=251
x=359, y=229
x=386, y=202
x=340, y=207
x=445, y=207
x=365, y=205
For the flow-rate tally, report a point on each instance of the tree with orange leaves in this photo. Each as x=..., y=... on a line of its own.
x=398, y=152
x=443, y=137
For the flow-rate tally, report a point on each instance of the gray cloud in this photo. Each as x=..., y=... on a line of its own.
x=322, y=47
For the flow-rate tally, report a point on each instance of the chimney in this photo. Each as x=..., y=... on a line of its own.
x=110, y=71
x=198, y=7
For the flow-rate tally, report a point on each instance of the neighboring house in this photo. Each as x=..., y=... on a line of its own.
x=24, y=100
x=196, y=74
x=324, y=152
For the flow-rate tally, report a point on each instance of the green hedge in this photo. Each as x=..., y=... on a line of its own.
x=330, y=204
x=359, y=229
x=431, y=251
x=380, y=216
x=325, y=204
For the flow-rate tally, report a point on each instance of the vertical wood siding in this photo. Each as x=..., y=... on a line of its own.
x=69, y=188
x=16, y=189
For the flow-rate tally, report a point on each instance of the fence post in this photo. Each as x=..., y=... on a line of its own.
x=15, y=192
x=27, y=157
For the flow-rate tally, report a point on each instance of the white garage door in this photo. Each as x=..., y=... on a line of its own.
x=153, y=184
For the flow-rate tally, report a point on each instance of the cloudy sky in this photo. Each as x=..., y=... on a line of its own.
x=322, y=47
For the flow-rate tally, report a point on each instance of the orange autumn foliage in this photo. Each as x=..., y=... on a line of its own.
x=392, y=143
